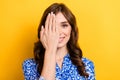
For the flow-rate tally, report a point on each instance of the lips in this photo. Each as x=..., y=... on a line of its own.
x=61, y=39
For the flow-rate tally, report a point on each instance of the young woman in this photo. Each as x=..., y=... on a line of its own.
x=57, y=55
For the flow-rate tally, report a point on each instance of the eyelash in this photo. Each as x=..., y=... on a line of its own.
x=64, y=25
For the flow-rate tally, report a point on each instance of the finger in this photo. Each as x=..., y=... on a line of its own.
x=50, y=22
x=41, y=32
x=56, y=27
x=47, y=22
x=54, y=23
x=44, y=43
x=42, y=37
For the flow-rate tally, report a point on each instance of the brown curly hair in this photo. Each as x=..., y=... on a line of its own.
x=72, y=46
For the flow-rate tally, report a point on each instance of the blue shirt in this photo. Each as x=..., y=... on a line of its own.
x=67, y=72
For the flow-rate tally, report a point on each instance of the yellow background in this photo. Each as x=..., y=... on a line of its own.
x=99, y=29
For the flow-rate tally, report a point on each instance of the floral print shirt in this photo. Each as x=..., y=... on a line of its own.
x=67, y=72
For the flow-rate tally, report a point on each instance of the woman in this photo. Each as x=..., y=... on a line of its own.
x=57, y=55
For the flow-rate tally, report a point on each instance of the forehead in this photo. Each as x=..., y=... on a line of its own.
x=60, y=18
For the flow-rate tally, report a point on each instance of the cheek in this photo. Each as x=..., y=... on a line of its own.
x=68, y=32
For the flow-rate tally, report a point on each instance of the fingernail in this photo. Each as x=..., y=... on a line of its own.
x=42, y=27
x=48, y=14
x=51, y=13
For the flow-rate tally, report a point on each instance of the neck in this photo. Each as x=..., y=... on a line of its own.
x=61, y=52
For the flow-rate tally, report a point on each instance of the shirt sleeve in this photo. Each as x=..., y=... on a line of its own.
x=90, y=70
x=30, y=70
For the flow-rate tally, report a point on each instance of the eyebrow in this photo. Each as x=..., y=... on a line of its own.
x=64, y=22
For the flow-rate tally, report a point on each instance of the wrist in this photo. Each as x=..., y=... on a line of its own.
x=50, y=50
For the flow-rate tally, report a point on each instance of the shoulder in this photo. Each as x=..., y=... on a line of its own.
x=89, y=66
x=28, y=63
x=29, y=67
x=87, y=62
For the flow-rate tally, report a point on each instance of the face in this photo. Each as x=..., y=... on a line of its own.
x=64, y=29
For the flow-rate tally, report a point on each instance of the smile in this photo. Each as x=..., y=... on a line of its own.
x=61, y=39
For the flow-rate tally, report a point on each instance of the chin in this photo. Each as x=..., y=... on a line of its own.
x=63, y=43
x=60, y=45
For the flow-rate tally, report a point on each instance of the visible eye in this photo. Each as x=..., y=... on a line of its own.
x=65, y=25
